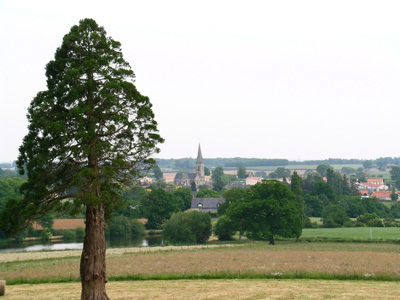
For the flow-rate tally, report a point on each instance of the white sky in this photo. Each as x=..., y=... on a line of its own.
x=268, y=79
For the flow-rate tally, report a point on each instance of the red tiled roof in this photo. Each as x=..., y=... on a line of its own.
x=381, y=194
x=375, y=180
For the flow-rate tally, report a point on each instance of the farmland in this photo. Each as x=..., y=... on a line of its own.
x=253, y=260
x=253, y=270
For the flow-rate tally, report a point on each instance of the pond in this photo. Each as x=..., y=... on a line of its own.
x=154, y=240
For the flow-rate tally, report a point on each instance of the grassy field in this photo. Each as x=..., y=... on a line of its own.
x=364, y=233
x=253, y=270
x=217, y=289
x=253, y=260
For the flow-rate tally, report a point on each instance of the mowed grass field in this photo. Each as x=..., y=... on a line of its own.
x=217, y=289
x=354, y=233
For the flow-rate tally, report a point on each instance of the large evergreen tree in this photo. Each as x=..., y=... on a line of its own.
x=90, y=133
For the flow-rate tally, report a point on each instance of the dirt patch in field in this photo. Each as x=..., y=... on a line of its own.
x=217, y=289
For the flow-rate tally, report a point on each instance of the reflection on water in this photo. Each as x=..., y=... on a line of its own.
x=110, y=243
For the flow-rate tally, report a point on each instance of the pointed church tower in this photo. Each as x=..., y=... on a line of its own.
x=200, y=165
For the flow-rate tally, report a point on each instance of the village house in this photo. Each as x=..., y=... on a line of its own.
x=373, y=185
x=383, y=195
x=253, y=180
x=207, y=204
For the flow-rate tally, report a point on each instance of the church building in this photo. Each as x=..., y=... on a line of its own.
x=187, y=179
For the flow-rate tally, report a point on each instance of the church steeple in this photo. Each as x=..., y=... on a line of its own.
x=200, y=164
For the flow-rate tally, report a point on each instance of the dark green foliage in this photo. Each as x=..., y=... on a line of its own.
x=241, y=172
x=231, y=195
x=394, y=196
x=313, y=205
x=261, y=174
x=188, y=228
x=137, y=229
x=371, y=220
x=296, y=189
x=280, y=173
x=123, y=227
x=323, y=169
x=9, y=188
x=348, y=170
x=339, y=184
x=207, y=171
x=158, y=206
x=158, y=174
x=218, y=183
x=80, y=233
x=208, y=194
x=131, y=202
x=395, y=173
x=334, y=216
x=69, y=234
x=323, y=188
x=224, y=229
x=46, y=221
x=368, y=164
x=119, y=227
x=217, y=173
x=184, y=197
x=268, y=209
x=90, y=132
x=45, y=235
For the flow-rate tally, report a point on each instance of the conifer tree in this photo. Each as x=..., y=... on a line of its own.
x=90, y=133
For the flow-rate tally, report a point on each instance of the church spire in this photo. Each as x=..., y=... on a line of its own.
x=200, y=165
x=199, y=156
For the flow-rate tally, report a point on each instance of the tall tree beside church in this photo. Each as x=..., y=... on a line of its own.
x=216, y=177
x=90, y=133
x=296, y=189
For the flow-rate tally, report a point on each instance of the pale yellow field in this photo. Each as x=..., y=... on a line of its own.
x=217, y=289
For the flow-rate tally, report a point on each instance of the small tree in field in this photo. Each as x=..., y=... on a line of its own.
x=90, y=133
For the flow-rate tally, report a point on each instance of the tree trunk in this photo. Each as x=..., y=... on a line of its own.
x=271, y=240
x=93, y=259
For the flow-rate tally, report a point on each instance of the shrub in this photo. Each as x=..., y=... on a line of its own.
x=45, y=235
x=69, y=234
x=224, y=229
x=80, y=233
x=137, y=229
x=120, y=226
x=188, y=228
x=334, y=216
x=371, y=220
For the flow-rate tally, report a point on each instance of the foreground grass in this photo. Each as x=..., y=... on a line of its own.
x=216, y=289
x=254, y=260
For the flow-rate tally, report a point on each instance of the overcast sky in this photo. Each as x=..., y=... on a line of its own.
x=268, y=79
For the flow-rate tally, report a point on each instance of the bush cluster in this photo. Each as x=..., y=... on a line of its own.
x=188, y=228
x=122, y=226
